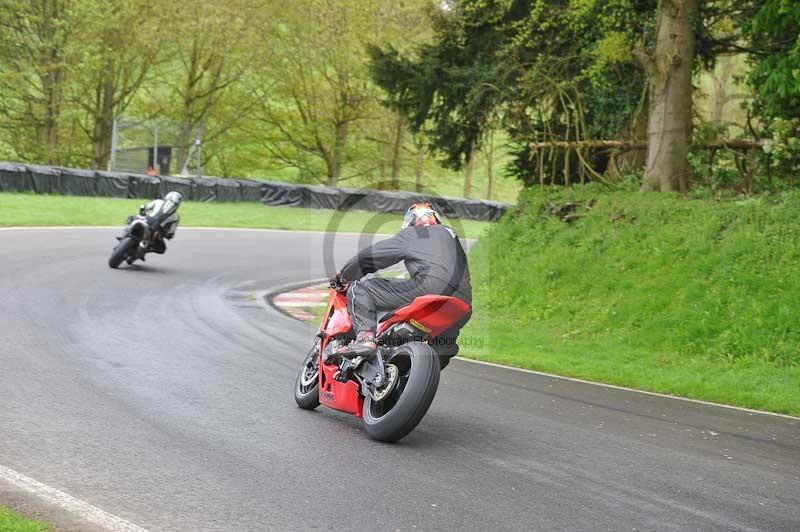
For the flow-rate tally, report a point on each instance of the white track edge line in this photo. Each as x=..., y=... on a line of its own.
x=84, y=510
x=626, y=389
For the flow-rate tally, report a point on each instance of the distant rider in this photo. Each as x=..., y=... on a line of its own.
x=434, y=258
x=165, y=214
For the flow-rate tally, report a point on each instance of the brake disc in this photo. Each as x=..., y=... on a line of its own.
x=391, y=381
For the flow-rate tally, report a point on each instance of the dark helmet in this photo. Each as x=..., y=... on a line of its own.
x=420, y=214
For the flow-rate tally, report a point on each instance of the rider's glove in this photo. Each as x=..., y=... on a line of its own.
x=142, y=209
x=337, y=283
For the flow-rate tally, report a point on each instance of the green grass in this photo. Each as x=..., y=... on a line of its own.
x=13, y=522
x=697, y=298
x=44, y=210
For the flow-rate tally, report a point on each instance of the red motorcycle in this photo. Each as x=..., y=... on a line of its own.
x=392, y=390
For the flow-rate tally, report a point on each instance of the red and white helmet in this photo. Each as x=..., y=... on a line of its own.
x=420, y=214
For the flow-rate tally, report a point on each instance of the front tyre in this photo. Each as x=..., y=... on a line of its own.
x=306, y=385
x=394, y=417
x=121, y=251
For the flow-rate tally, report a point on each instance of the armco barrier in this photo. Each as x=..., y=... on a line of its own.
x=16, y=177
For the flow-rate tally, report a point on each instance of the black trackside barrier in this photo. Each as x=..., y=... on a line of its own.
x=16, y=177
x=228, y=189
x=250, y=190
x=396, y=201
x=143, y=186
x=319, y=197
x=282, y=194
x=111, y=184
x=46, y=179
x=204, y=189
x=178, y=184
x=78, y=182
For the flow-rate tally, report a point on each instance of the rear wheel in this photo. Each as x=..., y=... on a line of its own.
x=394, y=417
x=306, y=386
x=120, y=252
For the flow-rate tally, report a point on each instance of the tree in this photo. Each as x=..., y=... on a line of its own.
x=213, y=49
x=669, y=68
x=775, y=78
x=35, y=52
x=775, y=74
x=532, y=64
x=565, y=71
x=315, y=88
x=118, y=54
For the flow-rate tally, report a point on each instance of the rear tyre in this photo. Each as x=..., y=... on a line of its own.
x=120, y=252
x=306, y=385
x=393, y=418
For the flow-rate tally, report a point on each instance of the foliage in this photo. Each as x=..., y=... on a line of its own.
x=775, y=79
x=696, y=297
x=274, y=89
x=546, y=70
x=293, y=90
x=36, y=48
x=784, y=145
x=776, y=65
x=210, y=52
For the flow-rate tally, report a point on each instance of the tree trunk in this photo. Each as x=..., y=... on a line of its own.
x=418, y=171
x=52, y=81
x=52, y=87
x=468, y=175
x=722, y=80
x=103, y=122
x=335, y=162
x=333, y=173
x=490, y=165
x=670, y=122
x=631, y=161
x=397, y=149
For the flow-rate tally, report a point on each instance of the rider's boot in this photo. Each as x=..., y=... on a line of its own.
x=158, y=246
x=363, y=345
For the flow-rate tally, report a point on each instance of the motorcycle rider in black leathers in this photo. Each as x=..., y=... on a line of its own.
x=434, y=258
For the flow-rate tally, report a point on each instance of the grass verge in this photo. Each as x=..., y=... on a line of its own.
x=49, y=210
x=13, y=522
x=697, y=298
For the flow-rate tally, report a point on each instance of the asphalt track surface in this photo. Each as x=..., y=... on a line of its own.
x=162, y=394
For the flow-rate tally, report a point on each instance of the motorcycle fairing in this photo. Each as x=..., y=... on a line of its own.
x=342, y=396
x=338, y=319
x=430, y=314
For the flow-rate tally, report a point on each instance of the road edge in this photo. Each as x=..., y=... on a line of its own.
x=56, y=498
